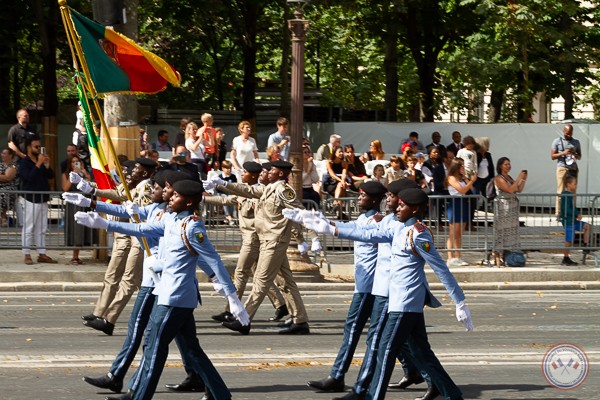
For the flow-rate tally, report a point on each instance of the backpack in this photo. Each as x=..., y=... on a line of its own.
x=490, y=191
x=514, y=258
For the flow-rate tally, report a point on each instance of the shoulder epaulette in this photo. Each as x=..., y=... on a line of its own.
x=419, y=227
x=377, y=217
x=183, y=234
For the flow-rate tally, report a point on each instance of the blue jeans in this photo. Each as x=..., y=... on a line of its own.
x=165, y=323
x=379, y=317
x=408, y=327
x=135, y=331
x=358, y=314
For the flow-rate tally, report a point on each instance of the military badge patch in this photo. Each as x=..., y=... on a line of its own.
x=426, y=246
x=200, y=237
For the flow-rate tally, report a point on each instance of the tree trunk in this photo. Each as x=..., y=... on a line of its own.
x=495, y=110
x=249, y=111
x=426, y=85
x=391, y=71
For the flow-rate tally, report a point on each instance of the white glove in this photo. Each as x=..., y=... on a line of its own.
x=218, y=286
x=316, y=245
x=303, y=247
x=238, y=310
x=218, y=181
x=91, y=220
x=132, y=208
x=464, y=315
x=85, y=187
x=149, y=265
x=293, y=214
x=76, y=198
x=321, y=226
x=74, y=177
x=208, y=185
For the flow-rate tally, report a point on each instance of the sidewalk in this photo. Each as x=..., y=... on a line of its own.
x=543, y=272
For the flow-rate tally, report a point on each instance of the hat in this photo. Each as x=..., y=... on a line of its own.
x=267, y=166
x=188, y=188
x=129, y=164
x=413, y=197
x=175, y=176
x=146, y=162
x=282, y=165
x=252, y=167
x=373, y=188
x=420, y=154
x=159, y=178
x=399, y=185
x=406, y=145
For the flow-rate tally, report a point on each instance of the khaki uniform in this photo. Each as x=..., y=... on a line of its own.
x=274, y=232
x=124, y=272
x=250, y=248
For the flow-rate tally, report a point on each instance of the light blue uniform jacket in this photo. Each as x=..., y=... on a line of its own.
x=409, y=290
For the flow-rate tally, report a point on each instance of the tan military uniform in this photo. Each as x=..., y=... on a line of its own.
x=123, y=275
x=274, y=232
x=250, y=248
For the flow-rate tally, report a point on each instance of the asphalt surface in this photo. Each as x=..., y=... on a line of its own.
x=45, y=350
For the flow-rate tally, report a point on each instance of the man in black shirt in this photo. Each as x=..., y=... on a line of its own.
x=20, y=134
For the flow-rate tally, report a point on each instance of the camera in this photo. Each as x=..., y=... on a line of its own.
x=42, y=150
x=77, y=165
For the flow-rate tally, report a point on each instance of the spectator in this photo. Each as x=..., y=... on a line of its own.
x=75, y=235
x=394, y=171
x=180, y=135
x=273, y=153
x=338, y=178
x=35, y=171
x=113, y=172
x=243, y=147
x=379, y=175
x=435, y=142
x=420, y=160
x=412, y=173
x=435, y=175
x=71, y=152
x=310, y=178
x=458, y=209
x=570, y=217
x=357, y=169
x=485, y=165
x=456, y=144
x=413, y=139
x=162, y=143
x=8, y=182
x=194, y=144
x=566, y=151
x=408, y=150
x=20, y=134
x=144, y=145
x=153, y=155
x=209, y=138
x=468, y=155
x=228, y=177
x=506, y=210
x=326, y=150
x=281, y=139
x=375, y=152
x=181, y=162
x=221, y=149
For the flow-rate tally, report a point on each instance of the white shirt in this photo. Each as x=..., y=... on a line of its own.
x=197, y=154
x=244, y=151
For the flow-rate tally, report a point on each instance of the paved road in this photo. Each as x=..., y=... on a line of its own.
x=44, y=348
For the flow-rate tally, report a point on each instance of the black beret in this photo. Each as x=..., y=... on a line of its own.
x=413, y=197
x=399, y=185
x=146, y=162
x=160, y=177
x=267, y=166
x=188, y=188
x=129, y=164
x=252, y=167
x=175, y=176
x=373, y=188
x=283, y=165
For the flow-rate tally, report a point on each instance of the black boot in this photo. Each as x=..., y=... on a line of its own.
x=328, y=385
x=107, y=381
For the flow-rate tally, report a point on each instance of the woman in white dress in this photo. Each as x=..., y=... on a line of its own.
x=243, y=147
x=194, y=143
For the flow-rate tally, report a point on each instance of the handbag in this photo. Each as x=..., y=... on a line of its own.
x=514, y=258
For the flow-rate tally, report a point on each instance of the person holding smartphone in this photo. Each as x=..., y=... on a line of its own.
x=75, y=235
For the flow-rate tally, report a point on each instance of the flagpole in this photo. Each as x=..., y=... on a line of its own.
x=88, y=85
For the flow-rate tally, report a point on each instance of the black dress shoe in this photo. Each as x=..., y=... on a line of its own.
x=351, y=396
x=286, y=324
x=102, y=325
x=89, y=317
x=407, y=381
x=328, y=385
x=111, y=383
x=431, y=393
x=237, y=326
x=280, y=313
x=225, y=316
x=124, y=396
x=296, y=329
x=186, y=387
x=207, y=395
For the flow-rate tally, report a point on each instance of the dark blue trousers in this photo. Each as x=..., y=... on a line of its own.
x=410, y=328
x=358, y=314
x=379, y=317
x=138, y=320
x=165, y=323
